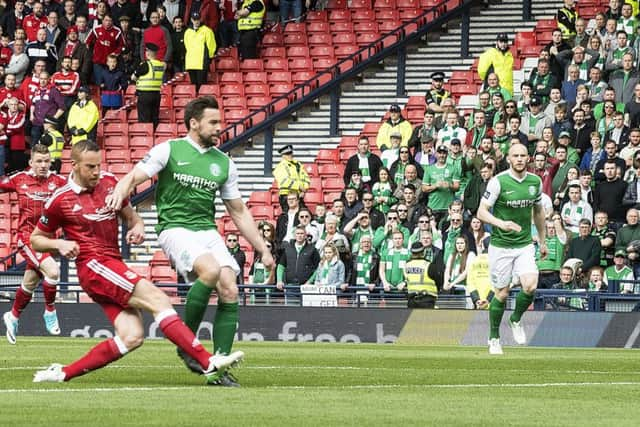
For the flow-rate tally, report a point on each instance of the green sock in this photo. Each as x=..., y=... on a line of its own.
x=496, y=310
x=224, y=327
x=196, y=305
x=523, y=301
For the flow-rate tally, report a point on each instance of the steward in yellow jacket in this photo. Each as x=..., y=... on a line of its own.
x=290, y=175
x=498, y=60
x=83, y=117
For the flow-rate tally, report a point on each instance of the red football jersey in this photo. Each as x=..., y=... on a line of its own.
x=84, y=218
x=33, y=192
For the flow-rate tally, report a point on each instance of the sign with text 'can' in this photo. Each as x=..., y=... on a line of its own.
x=318, y=296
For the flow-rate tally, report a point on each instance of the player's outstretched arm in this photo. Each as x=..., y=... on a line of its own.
x=135, y=225
x=125, y=187
x=244, y=221
x=42, y=241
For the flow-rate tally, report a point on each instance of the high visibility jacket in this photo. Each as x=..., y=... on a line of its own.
x=200, y=46
x=152, y=80
x=82, y=118
x=416, y=273
x=253, y=20
x=478, y=277
x=500, y=63
x=56, y=147
x=567, y=22
x=291, y=176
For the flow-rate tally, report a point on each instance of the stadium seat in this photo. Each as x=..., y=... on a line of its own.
x=312, y=169
x=132, y=117
x=273, y=52
x=141, y=270
x=230, y=77
x=365, y=39
x=331, y=169
x=316, y=182
x=247, y=65
x=339, y=15
x=317, y=16
x=118, y=156
x=407, y=4
x=302, y=76
x=388, y=26
x=468, y=89
x=370, y=129
x=158, y=259
x=167, y=115
x=320, y=39
x=321, y=52
x=115, y=116
x=409, y=14
x=141, y=142
x=312, y=199
x=209, y=90
x=337, y=4
x=257, y=102
x=227, y=64
x=341, y=27
x=345, y=50
x=327, y=156
x=297, y=52
x=279, y=89
x=295, y=39
x=295, y=28
x=328, y=198
x=259, y=198
x=318, y=27
x=120, y=169
x=320, y=64
x=184, y=91
x=546, y=25
x=234, y=103
x=385, y=4
x=274, y=39
x=345, y=154
x=300, y=64
x=344, y=39
x=360, y=4
x=255, y=77
x=116, y=143
x=261, y=212
x=163, y=274
x=66, y=168
x=276, y=65
x=365, y=27
x=140, y=129
x=257, y=89
x=232, y=90
x=166, y=131
x=115, y=129
x=138, y=154
x=359, y=15
x=349, y=142
x=387, y=15
x=332, y=184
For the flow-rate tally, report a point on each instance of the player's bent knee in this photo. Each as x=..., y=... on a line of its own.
x=132, y=340
x=227, y=287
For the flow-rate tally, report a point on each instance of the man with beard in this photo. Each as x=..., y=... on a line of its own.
x=581, y=132
x=190, y=171
x=75, y=49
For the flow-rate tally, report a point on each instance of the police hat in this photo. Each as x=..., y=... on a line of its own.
x=84, y=89
x=438, y=75
x=535, y=101
x=502, y=37
x=287, y=149
x=195, y=15
x=151, y=47
x=395, y=108
x=417, y=248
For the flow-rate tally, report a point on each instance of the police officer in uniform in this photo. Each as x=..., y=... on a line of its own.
x=422, y=291
x=148, y=77
x=250, y=17
x=566, y=18
x=53, y=139
x=290, y=175
x=433, y=98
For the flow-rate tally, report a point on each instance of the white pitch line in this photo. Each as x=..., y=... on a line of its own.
x=302, y=387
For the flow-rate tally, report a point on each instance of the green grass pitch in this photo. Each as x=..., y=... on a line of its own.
x=291, y=384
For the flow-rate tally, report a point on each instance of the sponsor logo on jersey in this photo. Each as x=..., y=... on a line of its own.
x=183, y=163
x=196, y=182
x=38, y=196
x=102, y=214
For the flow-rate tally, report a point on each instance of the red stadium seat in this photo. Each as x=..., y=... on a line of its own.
x=116, y=143
x=321, y=64
x=469, y=89
x=257, y=102
x=370, y=129
x=312, y=169
x=272, y=39
x=209, y=90
x=141, y=270
x=118, y=156
x=163, y=274
x=259, y=198
x=276, y=64
x=546, y=25
x=258, y=89
x=138, y=154
x=141, y=142
x=313, y=199
x=320, y=39
x=295, y=39
x=302, y=76
x=264, y=212
x=365, y=39
x=167, y=115
x=409, y=14
x=318, y=27
x=365, y=27
x=327, y=156
x=359, y=15
x=330, y=197
x=295, y=28
x=387, y=15
x=274, y=52
x=115, y=129
x=300, y=64
x=332, y=184
x=184, y=91
x=407, y=4
x=341, y=27
x=337, y=4
x=344, y=39
x=234, y=103
x=227, y=64
x=339, y=15
x=251, y=65
x=120, y=169
x=385, y=4
x=158, y=259
x=232, y=90
x=115, y=116
x=322, y=52
x=317, y=16
x=141, y=129
x=230, y=77
x=297, y=52
x=255, y=77
x=349, y=142
x=278, y=89
x=166, y=131
x=344, y=51
x=360, y=4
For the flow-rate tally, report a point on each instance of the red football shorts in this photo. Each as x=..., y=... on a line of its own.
x=109, y=282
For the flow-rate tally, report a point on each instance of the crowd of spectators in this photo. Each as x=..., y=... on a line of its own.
x=578, y=112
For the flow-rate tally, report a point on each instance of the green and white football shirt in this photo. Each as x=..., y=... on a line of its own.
x=188, y=178
x=512, y=199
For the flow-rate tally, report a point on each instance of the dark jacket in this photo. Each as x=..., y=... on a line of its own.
x=630, y=199
x=608, y=196
x=624, y=137
x=352, y=166
x=626, y=235
x=298, y=266
x=587, y=249
x=281, y=226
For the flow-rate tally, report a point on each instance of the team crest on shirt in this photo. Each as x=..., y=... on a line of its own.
x=214, y=169
x=532, y=190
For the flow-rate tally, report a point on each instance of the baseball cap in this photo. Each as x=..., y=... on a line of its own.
x=564, y=134
x=72, y=29
x=621, y=252
x=456, y=141
x=535, y=101
x=442, y=149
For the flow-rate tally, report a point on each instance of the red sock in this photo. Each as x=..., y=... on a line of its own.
x=178, y=333
x=99, y=356
x=49, y=295
x=22, y=300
